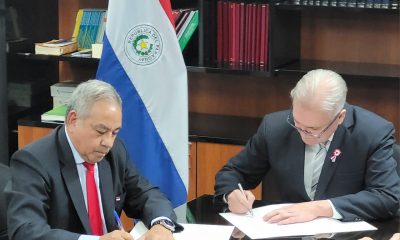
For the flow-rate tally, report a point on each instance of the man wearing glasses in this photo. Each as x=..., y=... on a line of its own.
x=330, y=158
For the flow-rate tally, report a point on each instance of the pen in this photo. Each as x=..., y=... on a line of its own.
x=242, y=191
x=118, y=221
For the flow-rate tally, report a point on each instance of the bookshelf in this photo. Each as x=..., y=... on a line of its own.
x=359, y=43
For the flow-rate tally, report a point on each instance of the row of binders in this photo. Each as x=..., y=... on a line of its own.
x=242, y=33
x=89, y=27
x=384, y=4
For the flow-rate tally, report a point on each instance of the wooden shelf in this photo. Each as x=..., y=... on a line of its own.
x=226, y=68
x=300, y=7
x=381, y=71
x=67, y=58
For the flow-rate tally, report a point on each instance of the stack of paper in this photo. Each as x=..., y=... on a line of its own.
x=256, y=228
x=192, y=232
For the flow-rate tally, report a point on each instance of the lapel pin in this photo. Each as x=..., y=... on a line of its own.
x=335, y=154
x=117, y=199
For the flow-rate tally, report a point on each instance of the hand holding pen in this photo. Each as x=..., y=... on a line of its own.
x=118, y=220
x=117, y=234
x=240, y=201
x=250, y=210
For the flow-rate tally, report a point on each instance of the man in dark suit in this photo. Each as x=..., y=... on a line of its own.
x=50, y=193
x=328, y=157
x=4, y=183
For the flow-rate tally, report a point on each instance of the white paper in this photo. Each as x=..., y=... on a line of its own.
x=255, y=228
x=192, y=232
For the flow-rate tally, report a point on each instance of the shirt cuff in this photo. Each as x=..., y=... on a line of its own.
x=336, y=214
x=88, y=237
x=156, y=219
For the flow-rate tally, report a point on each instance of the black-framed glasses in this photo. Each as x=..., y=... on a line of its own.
x=307, y=132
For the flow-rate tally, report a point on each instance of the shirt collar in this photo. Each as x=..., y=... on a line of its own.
x=77, y=157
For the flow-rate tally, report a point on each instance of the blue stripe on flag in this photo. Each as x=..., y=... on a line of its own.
x=144, y=144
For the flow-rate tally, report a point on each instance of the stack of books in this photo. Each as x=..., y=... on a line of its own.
x=56, y=114
x=61, y=92
x=56, y=47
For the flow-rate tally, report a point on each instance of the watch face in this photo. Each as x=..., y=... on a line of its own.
x=168, y=222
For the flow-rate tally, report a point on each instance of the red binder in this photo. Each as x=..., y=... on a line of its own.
x=241, y=32
x=233, y=34
x=219, y=32
x=264, y=35
x=257, y=35
x=247, y=37
x=253, y=23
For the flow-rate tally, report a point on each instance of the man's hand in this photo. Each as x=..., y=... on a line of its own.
x=395, y=236
x=300, y=212
x=238, y=203
x=157, y=232
x=117, y=235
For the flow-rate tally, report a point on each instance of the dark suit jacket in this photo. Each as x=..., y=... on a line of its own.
x=47, y=202
x=4, y=182
x=362, y=183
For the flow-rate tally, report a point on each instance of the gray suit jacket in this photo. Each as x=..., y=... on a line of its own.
x=362, y=183
x=46, y=201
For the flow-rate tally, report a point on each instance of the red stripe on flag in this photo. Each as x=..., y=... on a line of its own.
x=166, y=4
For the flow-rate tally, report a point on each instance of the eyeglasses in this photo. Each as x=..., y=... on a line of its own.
x=307, y=132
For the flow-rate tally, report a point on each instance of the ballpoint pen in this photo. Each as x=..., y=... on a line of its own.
x=120, y=226
x=242, y=191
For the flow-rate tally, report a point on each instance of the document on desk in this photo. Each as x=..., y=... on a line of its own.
x=255, y=228
x=192, y=232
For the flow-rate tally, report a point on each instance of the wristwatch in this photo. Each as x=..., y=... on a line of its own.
x=168, y=224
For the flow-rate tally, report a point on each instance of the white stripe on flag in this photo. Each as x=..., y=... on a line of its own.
x=142, y=60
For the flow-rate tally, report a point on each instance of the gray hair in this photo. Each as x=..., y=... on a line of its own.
x=88, y=93
x=323, y=87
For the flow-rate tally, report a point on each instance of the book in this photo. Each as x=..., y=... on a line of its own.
x=56, y=47
x=97, y=49
x=78, y=22
x=189, y=30
x=56, y=114
x=63, y=89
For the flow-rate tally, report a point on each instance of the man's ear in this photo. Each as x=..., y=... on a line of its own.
x=342, y=116
x=71, y=118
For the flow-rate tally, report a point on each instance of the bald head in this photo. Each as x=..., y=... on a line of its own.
x=321, y=89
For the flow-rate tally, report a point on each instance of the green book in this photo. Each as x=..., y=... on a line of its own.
x=56, y=114
x=188, y=32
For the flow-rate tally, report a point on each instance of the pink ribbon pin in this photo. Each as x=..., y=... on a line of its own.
x=335, y=154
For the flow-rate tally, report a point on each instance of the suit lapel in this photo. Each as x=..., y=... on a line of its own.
x=330, y=164
x=71, y=179
x=107, y=194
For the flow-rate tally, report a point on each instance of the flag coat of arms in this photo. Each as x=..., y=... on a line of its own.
x=141, y=58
